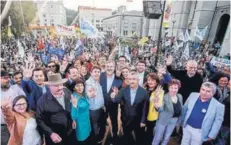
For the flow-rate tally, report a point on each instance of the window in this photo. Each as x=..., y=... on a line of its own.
x=97, y=21
x=45, y=20
x=51, y=6
x=44, y=15
x=125, y=33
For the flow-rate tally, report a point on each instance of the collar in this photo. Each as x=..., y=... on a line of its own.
x=134, y=89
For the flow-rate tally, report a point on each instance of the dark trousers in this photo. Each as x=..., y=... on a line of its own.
x=98, y=121
x=5, y=135
x=112, y=111
x=139, y=133
x=69, y=139
x=149, y=132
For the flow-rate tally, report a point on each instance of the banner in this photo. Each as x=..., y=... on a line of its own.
x=65, y=30
x=143, y=40
x=87, y=28
x=56, y=51
x=220, y=62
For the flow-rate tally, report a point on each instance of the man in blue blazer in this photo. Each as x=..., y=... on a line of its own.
x=133, y=100
x=34, y=88
x=203, y=116
x=108, y=80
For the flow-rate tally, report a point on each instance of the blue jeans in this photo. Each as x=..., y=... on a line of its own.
x=164, y=132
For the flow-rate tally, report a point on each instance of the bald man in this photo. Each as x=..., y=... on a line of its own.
x=190, y=79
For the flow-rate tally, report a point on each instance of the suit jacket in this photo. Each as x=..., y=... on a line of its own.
x=33, y=92
x=103, y=82
x=70, y=85
x=52, y=117
x=135, y=112
x=212, y=120
x=167, y=110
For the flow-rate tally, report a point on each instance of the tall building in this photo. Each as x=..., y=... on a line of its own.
x=186, y=14
x=123, y=23
x=94, y=15
x=51, y=13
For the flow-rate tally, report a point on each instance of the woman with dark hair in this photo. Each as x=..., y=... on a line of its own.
x=169, y=113
x=156, y=94
x=80, y=113
x=223, y=96
x=20, y=122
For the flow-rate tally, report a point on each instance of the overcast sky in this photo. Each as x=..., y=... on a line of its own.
x=113, y=4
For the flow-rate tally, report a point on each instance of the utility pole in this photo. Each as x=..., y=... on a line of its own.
x=158, y=43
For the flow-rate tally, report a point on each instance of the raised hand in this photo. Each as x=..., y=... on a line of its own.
x=6, y=102
x=158, y=90
x=91, y=92
x=27, y=70
x=115, y=92
x=161, y=70
x=74, y=101
x=169, y=60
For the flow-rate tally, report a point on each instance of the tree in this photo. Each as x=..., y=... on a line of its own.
x=70, y=14
x=15, y=12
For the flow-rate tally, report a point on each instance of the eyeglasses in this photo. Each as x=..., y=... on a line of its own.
x=51, y=66
x=21, y=105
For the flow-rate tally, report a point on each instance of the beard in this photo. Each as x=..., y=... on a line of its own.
x=6, y=86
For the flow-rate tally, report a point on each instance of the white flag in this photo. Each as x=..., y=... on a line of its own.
x=187, y=36
x=181, y=36
x=168, y=43
x=186, y=51
x=200, y=34
x=9, y=21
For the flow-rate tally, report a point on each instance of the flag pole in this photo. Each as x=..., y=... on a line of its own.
x=158, y=43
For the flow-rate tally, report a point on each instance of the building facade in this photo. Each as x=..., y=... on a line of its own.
x=191, y=14
x=51, y=13
x=123, y=23
x=94, y=15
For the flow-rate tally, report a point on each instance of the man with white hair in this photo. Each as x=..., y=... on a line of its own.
x=203, y=116
x=190, y=79
x=133, y=100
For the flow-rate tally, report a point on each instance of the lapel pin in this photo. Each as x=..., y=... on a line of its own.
x=203, y=110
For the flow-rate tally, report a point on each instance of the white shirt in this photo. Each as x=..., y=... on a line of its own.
x=31, y=135
x=12, y=92
x=141, y=77
x=109, y=82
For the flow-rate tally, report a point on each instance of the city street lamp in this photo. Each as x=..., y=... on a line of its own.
x=173, y=22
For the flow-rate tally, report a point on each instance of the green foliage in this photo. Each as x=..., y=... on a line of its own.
x=70, y=14
x=15, y=13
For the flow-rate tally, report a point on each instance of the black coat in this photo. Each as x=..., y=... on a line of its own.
x=188, y=85
x=51, y=117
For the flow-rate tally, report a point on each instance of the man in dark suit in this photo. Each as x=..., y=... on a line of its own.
x=133, y=100
x=142, y=74
x=108, y=80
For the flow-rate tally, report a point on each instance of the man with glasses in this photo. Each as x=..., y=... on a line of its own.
x=52, y=66
x=6, y=91
x=190, y=79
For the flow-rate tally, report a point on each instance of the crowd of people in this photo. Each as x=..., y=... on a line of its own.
x=75, y=100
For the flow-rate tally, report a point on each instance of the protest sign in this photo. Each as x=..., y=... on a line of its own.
x=220, y=62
